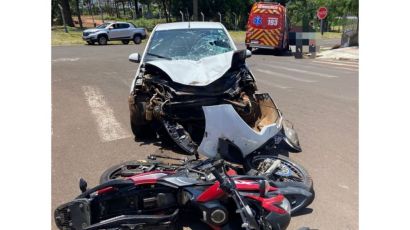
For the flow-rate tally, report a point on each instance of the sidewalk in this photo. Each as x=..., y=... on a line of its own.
x=348, y=53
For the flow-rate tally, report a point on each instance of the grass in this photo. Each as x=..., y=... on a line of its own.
x=237, y=36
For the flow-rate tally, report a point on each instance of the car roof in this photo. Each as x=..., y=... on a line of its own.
x=187, y=25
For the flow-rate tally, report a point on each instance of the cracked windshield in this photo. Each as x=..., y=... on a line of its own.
x=188, y=44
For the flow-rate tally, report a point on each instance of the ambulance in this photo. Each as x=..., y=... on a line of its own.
x=268, y=27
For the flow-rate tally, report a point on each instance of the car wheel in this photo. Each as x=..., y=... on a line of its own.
x=102, y=40
x=137, y=39
x=125, y=42
x=140, y=127
x=90, y=42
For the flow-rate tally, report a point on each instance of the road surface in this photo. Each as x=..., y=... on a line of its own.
x=91, y=132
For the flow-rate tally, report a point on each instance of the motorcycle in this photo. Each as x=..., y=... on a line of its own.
x=159, y=199
x=299, y=195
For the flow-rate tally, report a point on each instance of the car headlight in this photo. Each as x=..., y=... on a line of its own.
x=290, y=133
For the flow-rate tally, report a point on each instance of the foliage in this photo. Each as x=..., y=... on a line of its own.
x=301, y=12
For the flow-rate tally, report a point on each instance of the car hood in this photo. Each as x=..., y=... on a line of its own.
x=92, y=30
x=196, y=73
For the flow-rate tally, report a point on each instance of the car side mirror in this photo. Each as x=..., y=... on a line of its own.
x=135, y=57
x=248, y=53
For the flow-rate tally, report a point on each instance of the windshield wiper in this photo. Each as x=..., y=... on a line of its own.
x=159, y=56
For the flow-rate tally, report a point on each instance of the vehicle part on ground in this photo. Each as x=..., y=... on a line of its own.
x=160, y=198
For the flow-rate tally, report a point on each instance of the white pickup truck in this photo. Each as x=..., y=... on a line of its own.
x=114, y=31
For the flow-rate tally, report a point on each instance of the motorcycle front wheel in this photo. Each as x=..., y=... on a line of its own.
x=290, y=172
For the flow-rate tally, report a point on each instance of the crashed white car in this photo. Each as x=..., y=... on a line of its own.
x=191, y=73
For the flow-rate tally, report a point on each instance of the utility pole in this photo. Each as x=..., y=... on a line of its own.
x=203, y=16
x=62, y=14
x=182, y=15
x=220, y=17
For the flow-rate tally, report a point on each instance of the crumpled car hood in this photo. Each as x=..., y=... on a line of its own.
x=196, y=73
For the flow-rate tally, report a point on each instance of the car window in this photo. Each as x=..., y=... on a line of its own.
x=124, y=26
x=188, y=44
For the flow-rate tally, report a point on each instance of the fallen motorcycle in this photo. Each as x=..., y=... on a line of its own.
x=159, y=199
x=298, y=194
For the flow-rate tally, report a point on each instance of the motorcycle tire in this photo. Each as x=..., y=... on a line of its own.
x=130, y=168
x=298, y=203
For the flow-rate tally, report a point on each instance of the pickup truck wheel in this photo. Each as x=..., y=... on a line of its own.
x=90, y=42
x=102, y=40
x=137, y=39
x=125, y=42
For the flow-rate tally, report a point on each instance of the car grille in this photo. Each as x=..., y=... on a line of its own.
x=86, y=33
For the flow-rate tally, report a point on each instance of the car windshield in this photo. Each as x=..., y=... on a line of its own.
x=188, y=44
x=103, y=25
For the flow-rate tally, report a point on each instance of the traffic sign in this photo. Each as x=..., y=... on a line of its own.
x=321, y=13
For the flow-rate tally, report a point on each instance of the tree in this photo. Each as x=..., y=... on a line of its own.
x=77, y=8
x=67, y=13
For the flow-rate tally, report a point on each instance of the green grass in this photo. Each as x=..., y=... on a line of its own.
x=237, y=36
x=59, y=37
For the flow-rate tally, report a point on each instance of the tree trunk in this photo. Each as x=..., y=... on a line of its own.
x=123, y=8
x=164, y=6
x=116, y=9
x=77, y=8
x=136, y=8
x=67, y=13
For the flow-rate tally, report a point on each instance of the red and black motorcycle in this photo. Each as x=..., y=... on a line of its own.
x=160, y=199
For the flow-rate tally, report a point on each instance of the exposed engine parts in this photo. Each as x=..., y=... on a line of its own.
x=178, y=108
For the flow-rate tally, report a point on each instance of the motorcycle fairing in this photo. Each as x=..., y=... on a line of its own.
x=222, y=121
x=196, y=73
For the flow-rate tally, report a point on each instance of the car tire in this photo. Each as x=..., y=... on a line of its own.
x=137, y=39
x=102, y=40
x=125, y=42
x=140, y=127
x=90, y=42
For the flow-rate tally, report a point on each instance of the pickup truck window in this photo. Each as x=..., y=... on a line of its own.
x=123, y=26
x=102, y=25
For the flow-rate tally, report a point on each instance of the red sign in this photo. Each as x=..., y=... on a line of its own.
x=321, y=13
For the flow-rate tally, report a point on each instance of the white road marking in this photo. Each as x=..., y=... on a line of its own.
x=65, y=59
x=343, y=186
x=276, y=74
x=274, y=84
x=336, y=63
x=109, y=128
x=302, y=71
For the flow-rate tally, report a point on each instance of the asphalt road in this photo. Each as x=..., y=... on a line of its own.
x=319, y=97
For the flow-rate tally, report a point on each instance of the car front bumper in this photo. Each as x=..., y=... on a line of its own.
x=90, y=38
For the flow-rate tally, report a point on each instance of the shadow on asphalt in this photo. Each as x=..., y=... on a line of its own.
x=303, y=212
x=272, y=52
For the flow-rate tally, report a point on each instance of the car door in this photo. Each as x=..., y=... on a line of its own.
x=114, y=31
x=120, y=31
